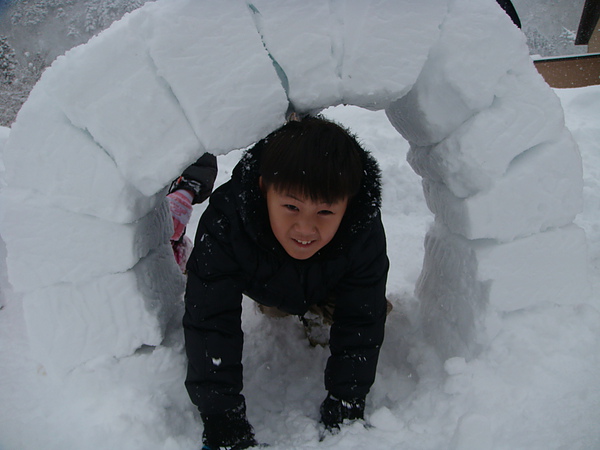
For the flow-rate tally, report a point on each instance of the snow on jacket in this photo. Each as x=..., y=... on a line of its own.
x=236, y=253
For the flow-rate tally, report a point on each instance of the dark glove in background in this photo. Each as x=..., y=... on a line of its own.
x=199, y=178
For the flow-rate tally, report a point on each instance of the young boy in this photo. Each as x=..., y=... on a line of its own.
x=297, y=225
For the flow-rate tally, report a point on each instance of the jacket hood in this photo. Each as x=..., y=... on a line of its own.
x=362, y=209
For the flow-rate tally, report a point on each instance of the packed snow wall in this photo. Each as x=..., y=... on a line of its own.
x=112, y=122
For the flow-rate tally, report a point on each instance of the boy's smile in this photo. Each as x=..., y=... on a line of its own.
x=302, y=226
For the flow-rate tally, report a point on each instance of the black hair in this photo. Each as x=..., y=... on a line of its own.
x=312, y=157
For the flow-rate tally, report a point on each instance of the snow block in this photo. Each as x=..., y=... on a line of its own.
x=4, y=284
x=462, y=72
x=542, y=188
x=64, y=165
x=107, y=317
x=524, y=113
x=213, y=59
x=4, y=132
x=329, y=53
x=109, y=87
x=304, y=39
x=378, y=66
x=465, y=283
x=47, y=246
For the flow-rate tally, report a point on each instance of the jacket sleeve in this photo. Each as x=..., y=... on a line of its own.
x=212, y=319
x=359, y=319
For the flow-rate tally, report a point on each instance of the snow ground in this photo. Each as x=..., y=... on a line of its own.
x=534, y=387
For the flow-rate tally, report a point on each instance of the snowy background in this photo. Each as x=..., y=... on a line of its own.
x=90, y=350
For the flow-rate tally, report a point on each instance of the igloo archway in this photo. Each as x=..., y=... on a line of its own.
x=125, y=113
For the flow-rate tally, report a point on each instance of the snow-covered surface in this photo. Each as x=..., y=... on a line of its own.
x=4, y=132
x=534, y=387
x=497, y=348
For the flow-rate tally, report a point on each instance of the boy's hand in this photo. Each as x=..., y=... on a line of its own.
x=334, y=411
x=180, y=204
x=230, y=429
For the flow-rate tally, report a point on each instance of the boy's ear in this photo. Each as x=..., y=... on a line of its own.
x=261, y=184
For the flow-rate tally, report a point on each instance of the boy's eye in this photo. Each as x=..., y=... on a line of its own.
x=325, y=212
x=291, y=207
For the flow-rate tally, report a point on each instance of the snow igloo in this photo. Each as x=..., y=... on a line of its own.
x=112, y=122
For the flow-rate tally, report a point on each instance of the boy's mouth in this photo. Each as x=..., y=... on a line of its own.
x=303, y=242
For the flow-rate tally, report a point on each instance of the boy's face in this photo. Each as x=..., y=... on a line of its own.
x=302, y=226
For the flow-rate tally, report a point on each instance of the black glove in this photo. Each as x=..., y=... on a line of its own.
x=199, y=178
x=230, y=430
x=334, y=411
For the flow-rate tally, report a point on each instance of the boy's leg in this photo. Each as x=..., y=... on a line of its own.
x=272, y=311
x=319, y=318
x=324, y=310
x=317, y=321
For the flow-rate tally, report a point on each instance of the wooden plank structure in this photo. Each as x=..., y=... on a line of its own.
x=570, y=71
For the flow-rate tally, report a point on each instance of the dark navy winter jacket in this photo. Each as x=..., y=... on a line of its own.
x=236, y=253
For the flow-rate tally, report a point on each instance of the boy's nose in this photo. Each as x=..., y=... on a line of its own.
x=305, y=227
